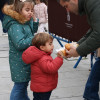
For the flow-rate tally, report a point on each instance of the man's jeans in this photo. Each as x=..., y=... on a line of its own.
x=19, y=91
x=92, y=85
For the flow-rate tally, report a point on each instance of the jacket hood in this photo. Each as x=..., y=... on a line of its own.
x=32, y=54
x=8, y=10
x=7, y=22
x=11, y=17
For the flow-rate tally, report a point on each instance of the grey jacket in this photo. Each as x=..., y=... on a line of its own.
x=91, y=41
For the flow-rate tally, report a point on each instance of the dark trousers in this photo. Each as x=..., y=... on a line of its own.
x=42, y=95
x=92, y=85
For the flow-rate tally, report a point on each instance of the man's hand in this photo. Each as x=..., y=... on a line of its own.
x=72, y=52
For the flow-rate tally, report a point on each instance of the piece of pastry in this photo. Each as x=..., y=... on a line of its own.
x=67, y=46
x=64, y=52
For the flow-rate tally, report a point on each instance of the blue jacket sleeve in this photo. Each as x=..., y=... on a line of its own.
x=34, y=25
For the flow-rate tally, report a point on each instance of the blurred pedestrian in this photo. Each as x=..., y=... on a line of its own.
x=2, y=3
x=40, y=10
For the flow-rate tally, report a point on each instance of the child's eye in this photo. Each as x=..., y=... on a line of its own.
x=50, y=44
x=27, y=9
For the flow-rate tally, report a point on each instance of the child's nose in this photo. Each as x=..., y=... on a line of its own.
x=30, y=11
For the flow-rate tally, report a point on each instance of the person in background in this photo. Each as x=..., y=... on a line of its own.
x=40, y=10
x=2, y=3
x=44, y=69
x=21, y=25
x=89, y=43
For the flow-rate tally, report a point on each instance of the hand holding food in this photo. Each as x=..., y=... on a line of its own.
x=64, y=52
x=71, y=51
x=67, y=48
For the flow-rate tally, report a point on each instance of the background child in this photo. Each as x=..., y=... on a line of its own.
x=19, y=22
x=44, y=69
x=40, y=10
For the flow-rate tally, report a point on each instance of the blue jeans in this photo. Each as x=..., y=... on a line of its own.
x=92, y=85
x=41, y=95
x=19, y=91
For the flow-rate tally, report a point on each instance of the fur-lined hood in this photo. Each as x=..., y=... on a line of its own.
x=8, y=10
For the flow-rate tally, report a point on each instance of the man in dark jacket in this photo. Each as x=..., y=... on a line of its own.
x=90, y=42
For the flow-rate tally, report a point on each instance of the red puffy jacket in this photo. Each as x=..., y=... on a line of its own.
x=44, y=69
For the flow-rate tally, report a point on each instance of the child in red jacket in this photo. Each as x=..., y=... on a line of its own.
x=44, y=69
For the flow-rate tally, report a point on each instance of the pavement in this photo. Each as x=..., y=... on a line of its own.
x=71, y=82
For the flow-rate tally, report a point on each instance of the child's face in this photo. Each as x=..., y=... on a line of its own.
x=48, y=46
x=27, y=10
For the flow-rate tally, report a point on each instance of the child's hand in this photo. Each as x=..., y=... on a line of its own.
x=60, y=54
x=33, y=16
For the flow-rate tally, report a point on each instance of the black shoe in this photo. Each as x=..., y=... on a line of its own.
x=89, y=70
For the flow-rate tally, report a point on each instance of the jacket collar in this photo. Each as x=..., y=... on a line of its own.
x=8, y=10
x=81, y=6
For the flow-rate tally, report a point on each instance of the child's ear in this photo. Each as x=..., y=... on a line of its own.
x=41, y=47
